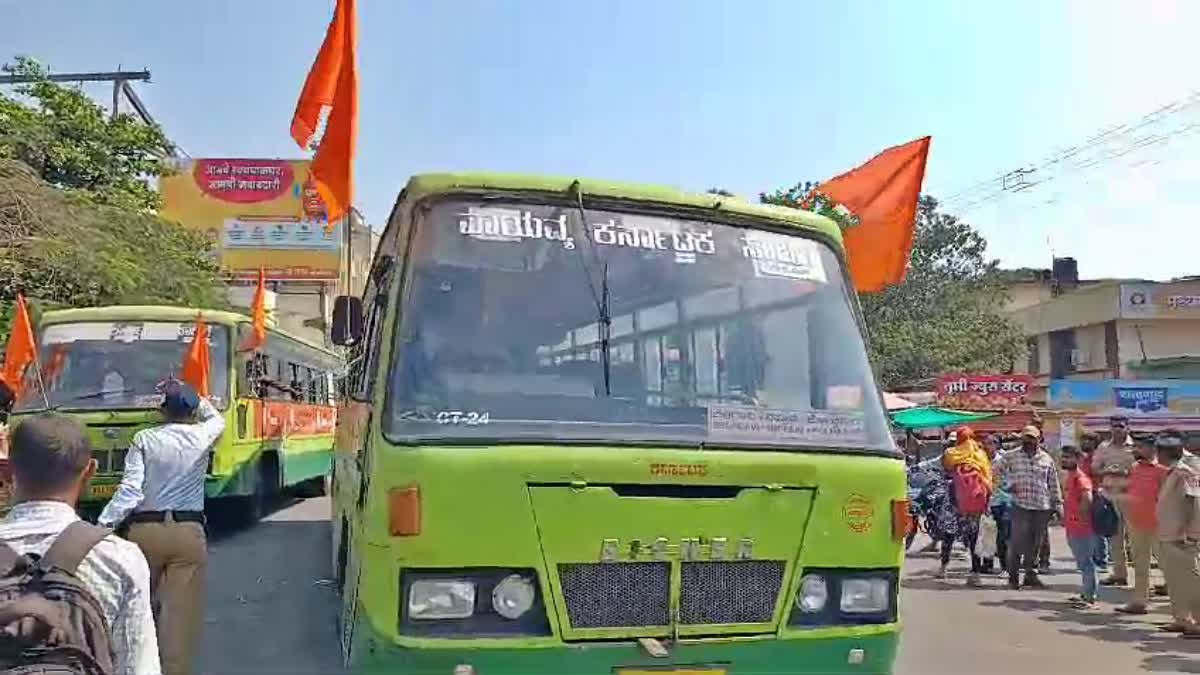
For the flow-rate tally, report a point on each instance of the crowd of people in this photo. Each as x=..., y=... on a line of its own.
x=1123, y=503
x=124, y=596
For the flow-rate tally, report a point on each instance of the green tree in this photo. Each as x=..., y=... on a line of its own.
x=77, y=223
x=62, y=249
x=946, y=315
x=71, y=142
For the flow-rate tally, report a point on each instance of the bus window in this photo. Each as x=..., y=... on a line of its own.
x=119, y=364
x=621, y=333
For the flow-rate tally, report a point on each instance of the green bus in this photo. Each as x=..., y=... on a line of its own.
x=605, y=428
x=102, y=365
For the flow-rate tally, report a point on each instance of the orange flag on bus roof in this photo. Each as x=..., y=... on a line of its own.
x=22, y=349
x=883, y=194
x=258, y=315
x=332, y=82
x=196, y=363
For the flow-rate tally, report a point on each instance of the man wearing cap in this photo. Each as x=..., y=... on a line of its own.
x=1033, y=482
x=1111, y=464
x=161, y=501
x=1178, y=515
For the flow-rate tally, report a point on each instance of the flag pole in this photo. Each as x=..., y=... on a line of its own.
x=37, y=368
x=37, y=361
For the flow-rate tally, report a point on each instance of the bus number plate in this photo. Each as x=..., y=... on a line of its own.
x=102, y=491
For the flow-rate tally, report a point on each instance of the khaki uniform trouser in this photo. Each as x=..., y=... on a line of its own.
x=1181, y=566
x=178, y=555
x=1142, y=546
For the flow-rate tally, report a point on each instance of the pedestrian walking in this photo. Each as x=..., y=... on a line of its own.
x=1179, y=534
x=1111, y=463
x=1044, y=549
x=1141, y=521
x=1037, y=495
x=51, y=462
x=1088, y=443
x=969, y=473
x=1077, y=521
x=999, y=506
x=160, y=502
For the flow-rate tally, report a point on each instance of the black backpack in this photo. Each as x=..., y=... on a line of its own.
x=50, y=623
x=1105, y=519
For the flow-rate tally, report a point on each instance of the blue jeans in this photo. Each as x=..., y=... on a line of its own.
x=1101, y=556
x=1084, y=551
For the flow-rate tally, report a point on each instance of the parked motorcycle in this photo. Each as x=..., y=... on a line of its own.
x=927, y=494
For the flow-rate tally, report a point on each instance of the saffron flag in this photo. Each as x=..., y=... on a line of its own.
x=258, y=316
x=332, y=82
x=883, y=194
x=22, y=349
x=196, y=363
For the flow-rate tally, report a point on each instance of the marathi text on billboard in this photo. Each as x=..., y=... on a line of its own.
x=259, y=213
x=1179, y=300
x=969, y=391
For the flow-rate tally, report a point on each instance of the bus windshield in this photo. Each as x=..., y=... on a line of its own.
x=100, y=365
x=537, y=322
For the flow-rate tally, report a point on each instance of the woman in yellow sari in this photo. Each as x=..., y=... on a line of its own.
x=967, y=456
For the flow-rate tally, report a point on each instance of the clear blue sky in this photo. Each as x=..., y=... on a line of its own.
x=743, y=95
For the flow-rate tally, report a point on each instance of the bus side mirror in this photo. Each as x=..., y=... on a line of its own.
x=347, y=321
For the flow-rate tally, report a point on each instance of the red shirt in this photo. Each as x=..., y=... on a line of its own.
x=1077, y=519
x=1141, y=495
x=1086, y=466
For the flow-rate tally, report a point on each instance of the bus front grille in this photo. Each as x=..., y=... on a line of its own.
x=616, y=595
x=109, y=461
x=724, y=592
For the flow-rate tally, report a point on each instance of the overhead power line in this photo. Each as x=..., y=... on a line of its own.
x=121, y=88
x=1146, y=134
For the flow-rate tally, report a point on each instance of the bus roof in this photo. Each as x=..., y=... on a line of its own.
x=159, y=313
x=424, y=185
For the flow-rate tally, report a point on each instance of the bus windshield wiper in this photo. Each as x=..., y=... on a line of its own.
x=90, y=396
x=605, y=329
x=603, y=311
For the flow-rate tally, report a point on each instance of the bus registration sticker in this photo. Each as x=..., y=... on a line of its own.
x=858, y=512
x=763, y=425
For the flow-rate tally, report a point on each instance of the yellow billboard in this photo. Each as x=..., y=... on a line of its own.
x=258, y=213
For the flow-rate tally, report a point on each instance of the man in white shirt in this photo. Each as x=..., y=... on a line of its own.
x=161, y=500
x=51, y=462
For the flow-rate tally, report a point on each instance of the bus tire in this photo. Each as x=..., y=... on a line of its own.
x=339, y=573
x=257, y=505
x=313, y=487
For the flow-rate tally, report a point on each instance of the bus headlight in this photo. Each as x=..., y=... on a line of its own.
x=814, y=593
x=441, y=599
x=513, y=596
x=865, y=595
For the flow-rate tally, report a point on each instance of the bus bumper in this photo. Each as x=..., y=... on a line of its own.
x=827, y=653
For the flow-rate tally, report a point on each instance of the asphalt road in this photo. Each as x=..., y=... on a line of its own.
x=271, y=609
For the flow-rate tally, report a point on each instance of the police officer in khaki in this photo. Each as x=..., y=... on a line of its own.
x=1179, y=534
x=161, y=502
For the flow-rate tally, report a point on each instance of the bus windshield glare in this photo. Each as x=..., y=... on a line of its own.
x=99, y=365
x=542, y=323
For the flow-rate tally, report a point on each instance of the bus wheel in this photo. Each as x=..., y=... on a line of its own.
x=339, y=574
x=313, y=487
x=266, y=486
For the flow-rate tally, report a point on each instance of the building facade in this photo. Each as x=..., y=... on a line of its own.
x=1111, y=330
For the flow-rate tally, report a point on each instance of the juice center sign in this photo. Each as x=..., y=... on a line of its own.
x=258, y=213
x=968, y=391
